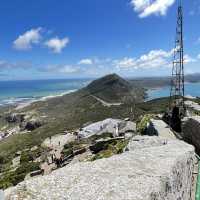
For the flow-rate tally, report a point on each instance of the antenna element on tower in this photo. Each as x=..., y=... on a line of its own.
x=177, y=92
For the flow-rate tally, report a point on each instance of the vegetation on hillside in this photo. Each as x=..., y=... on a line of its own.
x=71, y=112
x=113, y=88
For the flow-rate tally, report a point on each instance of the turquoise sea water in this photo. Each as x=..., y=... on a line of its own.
x=192, y=89
x=14, y=92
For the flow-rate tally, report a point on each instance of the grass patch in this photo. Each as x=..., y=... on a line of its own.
x=12, y=178
x=116, y=147
x=102, y=136
x=73, y=146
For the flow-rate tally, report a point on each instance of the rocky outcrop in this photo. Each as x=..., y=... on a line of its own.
x=192, y=105
x=31, y=125
x=15, y=118
x=191, y=131
x=117, y=127
x=153, y=169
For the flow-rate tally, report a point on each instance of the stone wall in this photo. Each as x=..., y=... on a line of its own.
x=153, y=168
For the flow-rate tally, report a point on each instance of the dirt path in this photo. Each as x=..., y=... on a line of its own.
x=104, y=103
x=58, y=141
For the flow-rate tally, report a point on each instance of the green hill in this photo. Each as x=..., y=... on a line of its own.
x=113, y=88
x=72, y=111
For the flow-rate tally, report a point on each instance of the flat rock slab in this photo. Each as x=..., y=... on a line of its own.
x=152, y=169
x=107, y=126
x=163, y=129
x=193, y=105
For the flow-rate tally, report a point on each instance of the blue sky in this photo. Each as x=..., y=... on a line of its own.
x=90, y=38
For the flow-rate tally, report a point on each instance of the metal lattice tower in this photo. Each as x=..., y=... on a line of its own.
x=177, y=83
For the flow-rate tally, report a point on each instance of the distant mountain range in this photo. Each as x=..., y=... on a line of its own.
x=154, y=82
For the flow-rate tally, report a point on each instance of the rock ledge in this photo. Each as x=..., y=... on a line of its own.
x=153, y=169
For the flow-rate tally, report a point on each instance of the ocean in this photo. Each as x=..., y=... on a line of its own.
x=191, y=89
x=16, y=92
x=19, y=92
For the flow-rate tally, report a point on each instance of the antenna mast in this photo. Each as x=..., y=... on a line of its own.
x=177, y=94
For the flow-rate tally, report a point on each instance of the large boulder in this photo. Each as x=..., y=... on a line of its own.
x=31, y=125
x=15, y=118
x=191, y=131
x=153, y=169
x=115, y=126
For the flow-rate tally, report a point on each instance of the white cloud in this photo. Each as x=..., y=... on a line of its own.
x=198, y=56
x=64, y=69
x=86, y=61
x=25, y=41
x=126, y=63
x=6, y=65
x=56, y=44
x=153, y=59
x=188, y=59
x=151, y=7
x=68, y=69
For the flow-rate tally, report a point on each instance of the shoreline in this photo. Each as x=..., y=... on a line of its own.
x=20, y=103
x=45, y=98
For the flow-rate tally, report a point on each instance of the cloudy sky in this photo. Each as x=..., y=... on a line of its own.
x=42, y=39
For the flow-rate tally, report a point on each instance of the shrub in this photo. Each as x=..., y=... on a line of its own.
x=69, y=145
x=142, y=124
x=25, y=157
x=12, y=178
x=27, y=167
x=73, y=146
x=121, y=145
x=1, y=160
x=103, y=135
x=67, y=152
x=116, y=147
x=103, y=154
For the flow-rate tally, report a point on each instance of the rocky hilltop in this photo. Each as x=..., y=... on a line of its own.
x=91, y=135
x=151, y=168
